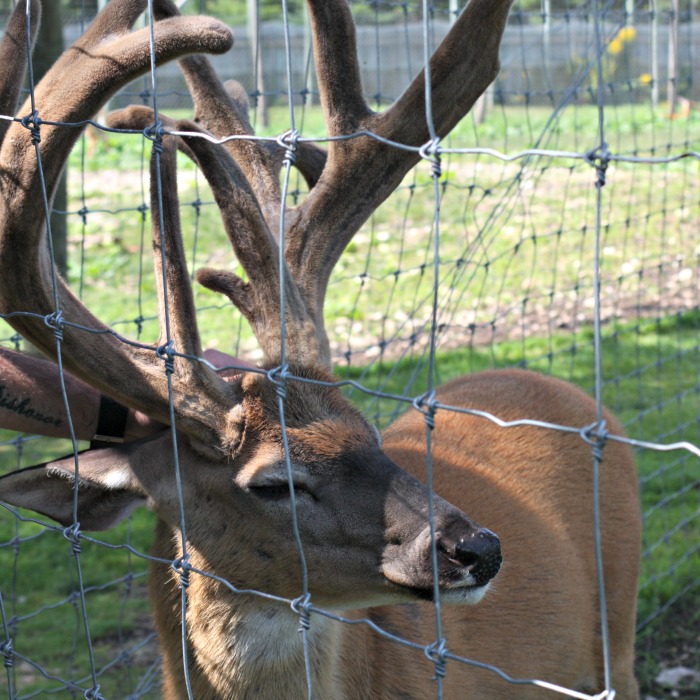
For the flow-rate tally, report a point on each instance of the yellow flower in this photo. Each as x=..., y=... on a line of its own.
x=627, y=34
x=615, y=46
x=645, y=79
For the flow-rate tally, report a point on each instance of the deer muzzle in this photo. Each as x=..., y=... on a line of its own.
x=466, y=556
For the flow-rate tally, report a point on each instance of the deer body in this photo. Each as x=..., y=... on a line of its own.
x=534, y=487
x=259, y=446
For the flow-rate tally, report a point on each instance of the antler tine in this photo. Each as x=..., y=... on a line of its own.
x=254, y=244
x=258, y=253
x=106, y=58
x=222, y=109
x=222, y=116
x=335, y=51
x=176, y=309
x=465, y=63
x=362, y=172
x=14, y=58
x=348, y=184
x=310, y=158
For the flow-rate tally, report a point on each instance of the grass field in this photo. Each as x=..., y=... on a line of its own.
x=515, y=271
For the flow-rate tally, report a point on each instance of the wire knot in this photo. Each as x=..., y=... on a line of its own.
x=606, y=695
x=55, y=322
x=73, y=534
x=430, y=151
x=279, y=377
x=289, y=140
x=94, y=693
x=155, y=133
x=166, y=352
x=8, y=653
x=183, y=568
x=599, y=158
x=437, y=653
x=33, y=123
x=427, y=404
x=596, y=435
x=302, y=607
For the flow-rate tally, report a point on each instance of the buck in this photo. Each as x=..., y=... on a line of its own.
x=361, y=504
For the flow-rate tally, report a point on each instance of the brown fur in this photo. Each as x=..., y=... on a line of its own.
x=540, y=620
x=534, y=487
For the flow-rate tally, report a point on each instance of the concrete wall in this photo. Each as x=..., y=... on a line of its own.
x=536, y=67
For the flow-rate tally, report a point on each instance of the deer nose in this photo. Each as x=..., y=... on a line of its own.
x=479, y=551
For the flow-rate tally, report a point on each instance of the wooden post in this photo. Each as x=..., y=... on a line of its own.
x=673, y=59
x=253, y=17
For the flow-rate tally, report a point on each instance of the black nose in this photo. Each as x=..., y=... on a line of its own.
x=479, y=550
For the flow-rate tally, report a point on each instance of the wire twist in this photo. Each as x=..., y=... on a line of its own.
x=596, y=435
x=139, y=321
x=8, y=653
x=437, y=653
x=94, y=693
x=56, y=323
x=155, y=133
x=302, y=607
x=279, y=376
x=73, y=534
x=183, y=568
x=430, y=151
x=33, y=123
x=599, y=158
x=427, y=404
x=289, y=140
x=166, y=352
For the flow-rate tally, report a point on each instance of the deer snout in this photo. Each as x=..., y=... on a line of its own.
x=476, y=552
x=468, y=558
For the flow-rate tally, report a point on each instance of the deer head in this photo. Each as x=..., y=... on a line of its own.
x=253, y=447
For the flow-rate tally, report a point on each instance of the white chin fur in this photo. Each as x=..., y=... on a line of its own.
x=465, y=595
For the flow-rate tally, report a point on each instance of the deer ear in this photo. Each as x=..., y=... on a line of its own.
x=108, y=491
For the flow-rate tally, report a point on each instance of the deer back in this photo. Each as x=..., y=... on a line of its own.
x=534, y=486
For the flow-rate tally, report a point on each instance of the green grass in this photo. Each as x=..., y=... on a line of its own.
x=516, y=251
x=45, y=570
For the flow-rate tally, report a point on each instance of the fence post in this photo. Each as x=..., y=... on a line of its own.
x=673, y=59
x=253, y=25
x=654, y=68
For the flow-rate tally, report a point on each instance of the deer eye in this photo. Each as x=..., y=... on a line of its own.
x=279, y=491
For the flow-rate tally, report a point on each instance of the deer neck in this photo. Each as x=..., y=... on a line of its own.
x=239, y=645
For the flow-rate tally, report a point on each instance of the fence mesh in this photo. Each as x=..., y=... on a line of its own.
x=578, y=170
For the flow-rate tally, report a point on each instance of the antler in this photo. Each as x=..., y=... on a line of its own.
x=13, y=57
x=33, y=154
x=363, y=172
x=348, y=183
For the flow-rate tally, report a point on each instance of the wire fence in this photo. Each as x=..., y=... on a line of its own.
x=557, y=228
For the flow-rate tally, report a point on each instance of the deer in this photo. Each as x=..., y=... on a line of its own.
x=266, y=448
